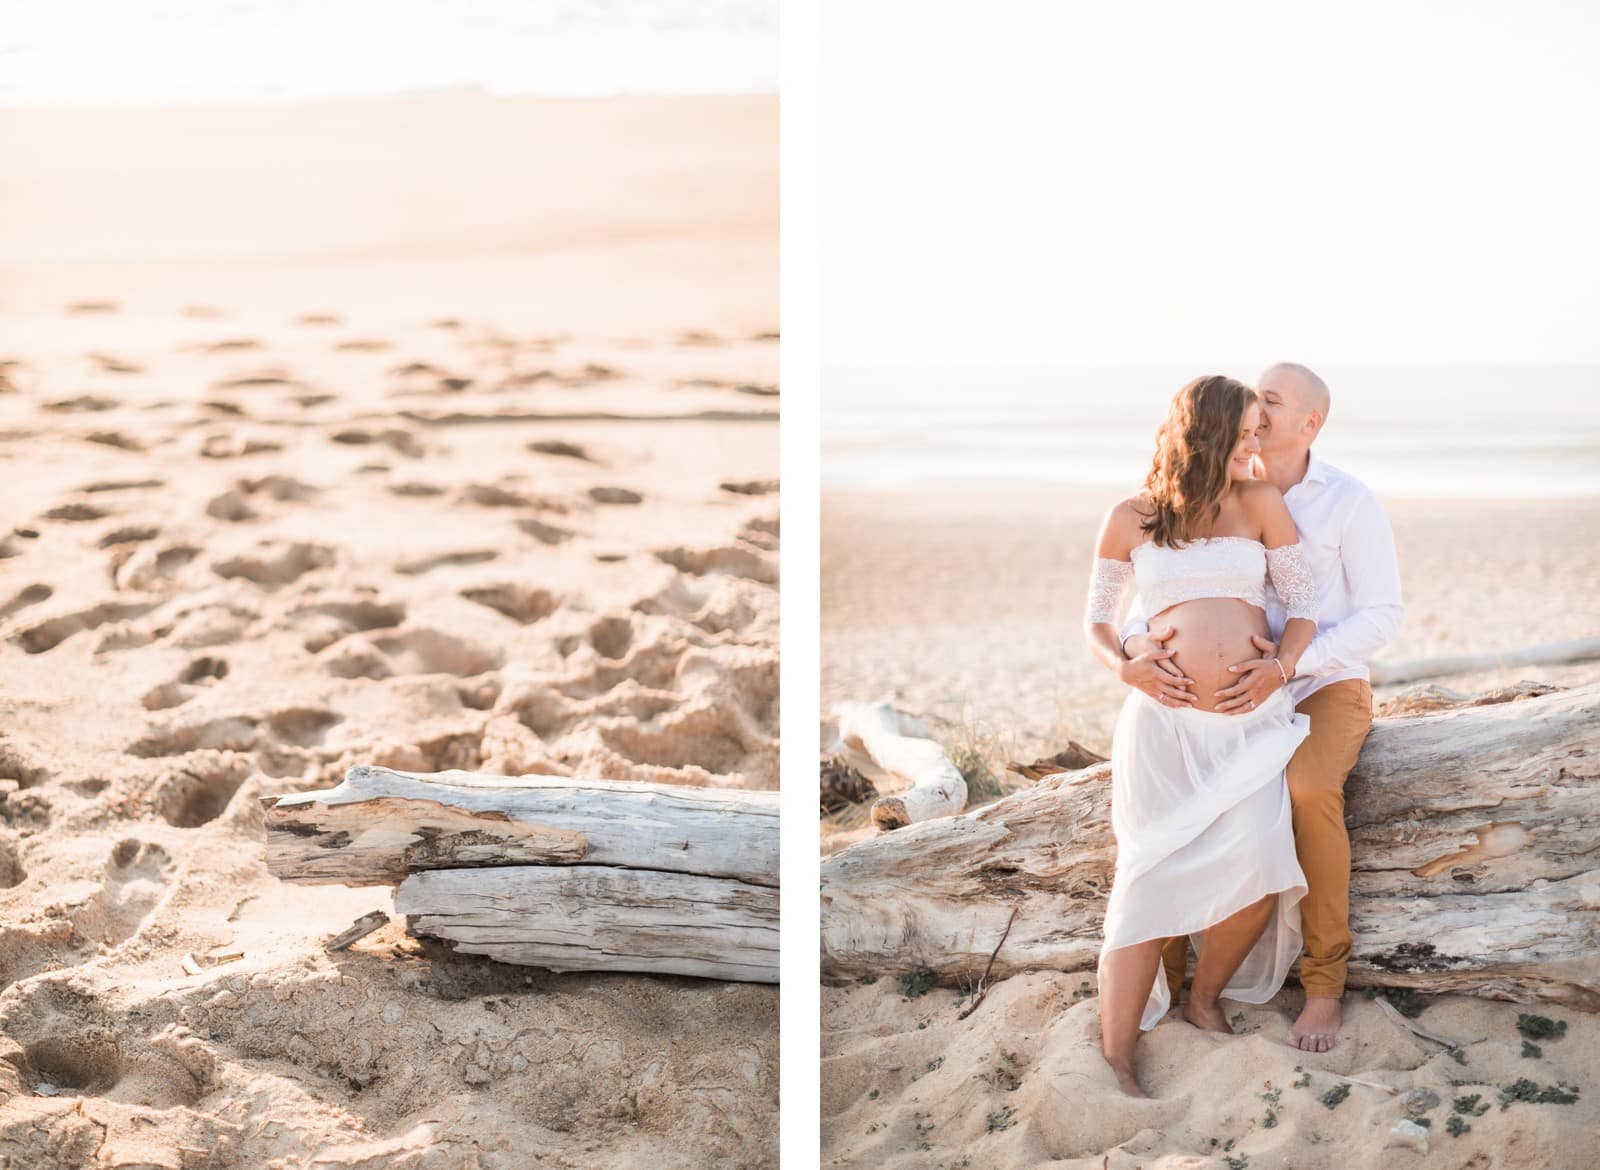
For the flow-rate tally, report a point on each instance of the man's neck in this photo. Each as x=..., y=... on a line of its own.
x=1286, y=470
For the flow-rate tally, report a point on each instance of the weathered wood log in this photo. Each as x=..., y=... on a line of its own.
x=1475, y=837
x=601, y=918
x=380, y=825
x=1549, y=654
x=902, y=744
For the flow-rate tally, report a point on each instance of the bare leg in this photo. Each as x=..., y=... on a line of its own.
x=1126, y=976
x=1226, y=945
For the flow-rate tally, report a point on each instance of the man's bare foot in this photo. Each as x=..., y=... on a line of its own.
x=1208, y=1017
x=1318, y=1026
x=1125, y=1078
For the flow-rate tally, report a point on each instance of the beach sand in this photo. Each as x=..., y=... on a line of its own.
x=966, y=608
x=434, y=432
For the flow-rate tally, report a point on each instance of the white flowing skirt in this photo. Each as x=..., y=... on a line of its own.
x=1200, y=808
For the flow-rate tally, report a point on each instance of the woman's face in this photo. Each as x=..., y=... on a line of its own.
x=1239, y=463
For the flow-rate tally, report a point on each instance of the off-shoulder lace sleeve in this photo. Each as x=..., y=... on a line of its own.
x=1106, y=584
x=1292, y=578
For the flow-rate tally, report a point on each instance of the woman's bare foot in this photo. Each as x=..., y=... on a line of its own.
x=1125, y=1078
x=1317, y=1029
x=1208, y=1017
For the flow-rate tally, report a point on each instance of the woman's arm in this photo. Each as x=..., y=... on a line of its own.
x=1113, y=570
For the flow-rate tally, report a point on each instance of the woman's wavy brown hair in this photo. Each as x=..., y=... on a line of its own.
x=1189, y=475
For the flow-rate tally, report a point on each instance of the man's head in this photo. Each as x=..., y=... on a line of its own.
x=1294, y=405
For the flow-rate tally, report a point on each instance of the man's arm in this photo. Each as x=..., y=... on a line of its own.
x=1372, y=571
x=1135, y=623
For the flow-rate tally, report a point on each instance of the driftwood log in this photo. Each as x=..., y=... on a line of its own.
x=1403, y=670
x=601, y=918
x=1475, y=837
x=901, y=744
x=380, y=825
x=550, y=871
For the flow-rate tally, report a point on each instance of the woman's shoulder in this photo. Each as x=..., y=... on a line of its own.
x=1259, y=497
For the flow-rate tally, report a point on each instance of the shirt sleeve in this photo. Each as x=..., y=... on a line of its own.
x=1136, y=623
x=1372, y=573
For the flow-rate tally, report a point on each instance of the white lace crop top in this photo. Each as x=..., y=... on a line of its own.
x=1216, y=566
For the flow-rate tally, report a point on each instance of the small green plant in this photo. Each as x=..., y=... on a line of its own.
x=1237, y=1019
x=916, y=982
x=1455, y=1127
x=1471, y=1106
x=923, y=1128
x=1541, y=1027
x=999, y=1119
x=872, y=1095
x=1237, y=1162
x=1458, y=1055
x=1271, y=1096
x=1303, y=1080
x=1424, y=1122
x=971, y=747
x=1083, y=991
x=1523, y=1089
x=1530, y=1049
x=1335, y=1096
x=936, y=1063
x=921, y=1024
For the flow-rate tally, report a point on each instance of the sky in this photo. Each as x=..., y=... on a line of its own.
x=164, y=51
x=1040, y=183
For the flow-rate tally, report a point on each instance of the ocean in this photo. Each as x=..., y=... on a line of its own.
x=1500, y=432
x=90, y=52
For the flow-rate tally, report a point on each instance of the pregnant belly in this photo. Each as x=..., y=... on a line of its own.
x=1211, y=634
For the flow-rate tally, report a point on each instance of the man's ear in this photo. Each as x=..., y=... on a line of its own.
x=1314, y=421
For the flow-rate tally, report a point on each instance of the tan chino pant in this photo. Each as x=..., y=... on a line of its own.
x=1341, y=716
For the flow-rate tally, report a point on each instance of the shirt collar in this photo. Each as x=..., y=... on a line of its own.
x=1316, y=469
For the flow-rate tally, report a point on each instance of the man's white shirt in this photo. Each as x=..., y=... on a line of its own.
x=1349, y=545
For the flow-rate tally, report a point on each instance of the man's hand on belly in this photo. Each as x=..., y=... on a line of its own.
x=1258, y=679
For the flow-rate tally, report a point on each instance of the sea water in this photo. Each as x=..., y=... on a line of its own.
x=1415, y=432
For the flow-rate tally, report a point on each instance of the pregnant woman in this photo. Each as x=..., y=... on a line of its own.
x=1205, y=844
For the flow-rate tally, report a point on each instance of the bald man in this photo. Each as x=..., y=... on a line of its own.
x=1350, y=547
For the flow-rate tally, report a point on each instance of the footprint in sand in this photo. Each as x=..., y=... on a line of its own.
x=403, y=442
x=733, y=560
x=111, y=364
x=426, y=564
x=24, y=597
x=102, y=1063
x=51, y=632
x=94, y=307
x=416, y=489
x=319, y=319
x=750, y=487
x=233, y=506
x=363, y=345
x=115, y=439
x=761, y=532
x=83, y=403
x=257, y=380
x=274, y=563
x=199, y=790
x=191, y=679
x=615, y=495
x=759, y=390
x=543, y=530
x=129, y=534
x=11, y=872
x=227, y=345
x=147, y=569
x=562, y=449
x=521, y=603
x=136, y=879
x=222, y=445
x=231, y=409
x=488, y=495
x=427, y=651
x=327, y=620
x=282, y=488
x=76, y=511
x=121, y=485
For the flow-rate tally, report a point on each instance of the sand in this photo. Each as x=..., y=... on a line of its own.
x=987, y=646
x=433, y=433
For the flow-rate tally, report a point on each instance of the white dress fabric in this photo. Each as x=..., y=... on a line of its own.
x=1200, y=805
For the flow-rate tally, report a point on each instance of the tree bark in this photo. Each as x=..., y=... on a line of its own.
x=901, y=744
x=601, y=918
x=381, y=825
x=1474, y=837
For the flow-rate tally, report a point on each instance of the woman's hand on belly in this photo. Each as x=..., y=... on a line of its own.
x=1212, y=634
